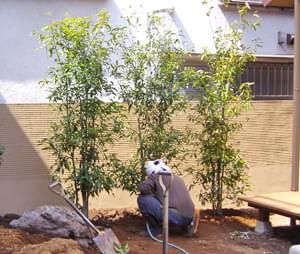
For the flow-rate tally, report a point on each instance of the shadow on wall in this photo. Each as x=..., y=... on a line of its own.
x=24, y=175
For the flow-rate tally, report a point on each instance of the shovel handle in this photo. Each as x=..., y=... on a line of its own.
x=105, y=241
x=62, y=194
x=52, y=188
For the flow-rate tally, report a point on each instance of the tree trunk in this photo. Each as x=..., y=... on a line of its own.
x=218, y=186
x=142, y=157
x=85, y=203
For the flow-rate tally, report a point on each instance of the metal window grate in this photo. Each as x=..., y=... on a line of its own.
x=271, y=80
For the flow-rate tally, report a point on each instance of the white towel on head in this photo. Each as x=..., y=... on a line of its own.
x=153, y=167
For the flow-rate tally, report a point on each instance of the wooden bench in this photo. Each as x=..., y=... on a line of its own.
x=282, y=203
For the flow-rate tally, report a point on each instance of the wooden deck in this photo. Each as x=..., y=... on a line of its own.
x=282, y=203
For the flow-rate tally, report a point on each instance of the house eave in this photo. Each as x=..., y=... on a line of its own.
x=194, y=59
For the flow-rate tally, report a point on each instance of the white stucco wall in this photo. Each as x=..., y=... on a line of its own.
x=272, y=21
x=22, y=65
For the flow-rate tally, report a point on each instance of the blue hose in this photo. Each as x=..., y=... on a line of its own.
x=160, y=241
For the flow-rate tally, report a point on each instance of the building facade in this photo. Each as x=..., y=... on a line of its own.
x=25, y=114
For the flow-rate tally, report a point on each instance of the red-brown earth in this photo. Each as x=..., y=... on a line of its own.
x=231, y=234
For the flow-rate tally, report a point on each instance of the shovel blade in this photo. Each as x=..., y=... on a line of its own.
x=106, y=241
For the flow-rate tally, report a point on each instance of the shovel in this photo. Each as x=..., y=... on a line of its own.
x=106, y=241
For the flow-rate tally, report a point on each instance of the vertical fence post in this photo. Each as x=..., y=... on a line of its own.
x=296, y=118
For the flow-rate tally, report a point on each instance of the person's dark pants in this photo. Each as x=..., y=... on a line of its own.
x=152, y=210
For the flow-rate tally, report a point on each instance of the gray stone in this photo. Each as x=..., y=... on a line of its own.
x=263, y=227
x=54, y=221
x=295, y=249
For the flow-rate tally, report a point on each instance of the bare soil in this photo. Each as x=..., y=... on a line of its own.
x=231, y=234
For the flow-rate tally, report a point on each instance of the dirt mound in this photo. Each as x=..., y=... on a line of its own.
x=13, y=239
x=54, y=246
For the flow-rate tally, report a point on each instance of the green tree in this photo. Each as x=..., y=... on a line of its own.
x=221, y=173
x=78, y=83
x=151, y=87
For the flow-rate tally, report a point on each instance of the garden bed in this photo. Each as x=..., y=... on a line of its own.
x=231, y=234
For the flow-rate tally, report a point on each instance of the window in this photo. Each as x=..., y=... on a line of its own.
x=272, y=77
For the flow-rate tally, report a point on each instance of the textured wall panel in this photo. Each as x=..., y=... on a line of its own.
x=265, y=142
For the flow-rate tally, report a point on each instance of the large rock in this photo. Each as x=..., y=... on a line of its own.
x=54, y=221
x=54, y=246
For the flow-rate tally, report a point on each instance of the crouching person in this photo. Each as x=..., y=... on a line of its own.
x=150, y=200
